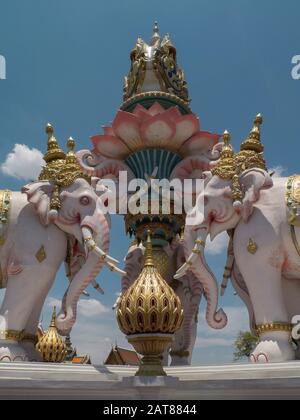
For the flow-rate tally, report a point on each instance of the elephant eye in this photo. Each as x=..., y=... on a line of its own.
x=84, y=200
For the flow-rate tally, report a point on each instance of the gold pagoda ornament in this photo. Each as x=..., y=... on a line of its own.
x=51, y=346
x=149, y=313
x=251, y=150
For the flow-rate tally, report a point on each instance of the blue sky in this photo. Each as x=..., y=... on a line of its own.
x=66, y=60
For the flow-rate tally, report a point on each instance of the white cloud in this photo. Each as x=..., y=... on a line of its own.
x=23, y=163
x=86, y=307
x=205, y=342
x=218, y=245
x=278, y=171
x=91, y=307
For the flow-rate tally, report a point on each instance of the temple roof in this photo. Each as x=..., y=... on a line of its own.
x=121, y=356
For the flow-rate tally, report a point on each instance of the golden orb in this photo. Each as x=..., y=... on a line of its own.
x=149, y=313
x=149, y=305
x=51, y=346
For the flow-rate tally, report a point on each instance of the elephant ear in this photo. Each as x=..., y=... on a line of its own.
x=252, y=182
x=39, y=194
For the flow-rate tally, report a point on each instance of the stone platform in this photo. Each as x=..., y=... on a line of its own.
x=66, y=381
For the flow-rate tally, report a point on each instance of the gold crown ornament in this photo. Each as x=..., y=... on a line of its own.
x=251, y=150
x=51, y=346
x=62, y=169
x=225, y=167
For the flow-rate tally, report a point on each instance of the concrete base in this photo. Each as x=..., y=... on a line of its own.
x=65, y=381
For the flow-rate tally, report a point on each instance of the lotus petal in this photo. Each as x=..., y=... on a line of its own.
x=157, y=131
x=108, y=131
x=155, y=109
x=141, y=112
x=173, y=113
x=190, y=168
x=126, y=126
x=199, y=143
x=110, y=147
x=186, y=126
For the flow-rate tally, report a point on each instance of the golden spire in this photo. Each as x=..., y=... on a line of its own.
x=251, y=150
x=225, y=168
x=253, y=140
x=155, y=34
x=148, y=251
x=71, y=157
x=54, y=152
x=51, y=346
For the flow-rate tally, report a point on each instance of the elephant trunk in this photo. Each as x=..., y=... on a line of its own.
x=216, y=318
x=93, y=264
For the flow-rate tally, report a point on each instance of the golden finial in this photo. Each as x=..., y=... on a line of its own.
x=71, y=157
x=49, y=130
x=54, y=152
x=226, y=137
x=53, y=318
x=225, y=166
x=51, y=346
x=253, y=140
x=148, y=252
x=155, y=33
x=250, y=155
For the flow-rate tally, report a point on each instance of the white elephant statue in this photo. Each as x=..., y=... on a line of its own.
x=263, y=262
x=187, y=289
x=57, y=218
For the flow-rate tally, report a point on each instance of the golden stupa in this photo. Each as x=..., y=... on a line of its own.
x=51, y=346
x=149, y=313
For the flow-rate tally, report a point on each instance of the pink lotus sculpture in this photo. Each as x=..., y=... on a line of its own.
x=153, y=128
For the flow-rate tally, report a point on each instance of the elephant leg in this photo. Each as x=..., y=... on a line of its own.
x=264, y=284
x=23, y=300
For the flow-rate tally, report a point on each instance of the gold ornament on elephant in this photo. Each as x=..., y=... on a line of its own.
x=225, y=168
x=252, y=246
x=62, y=169
x=273, y=326
x=251, y=150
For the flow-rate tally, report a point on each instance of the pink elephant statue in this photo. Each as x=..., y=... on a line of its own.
x=58, y=218
x=263, y=256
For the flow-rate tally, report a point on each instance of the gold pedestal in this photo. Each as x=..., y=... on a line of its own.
x=151, y=347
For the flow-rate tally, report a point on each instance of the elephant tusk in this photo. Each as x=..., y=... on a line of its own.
x=105, y=257
x=117, y=301
x=97, y=287
x=196, y=251
x=113, y=268
x=182, y=270
x=91, y=244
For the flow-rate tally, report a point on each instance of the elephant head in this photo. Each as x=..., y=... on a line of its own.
x=80, y=213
